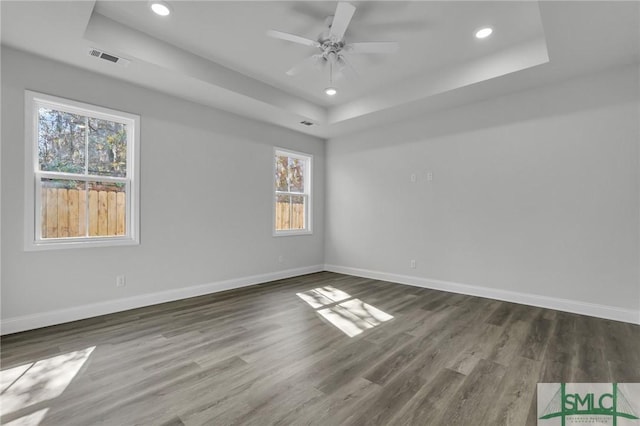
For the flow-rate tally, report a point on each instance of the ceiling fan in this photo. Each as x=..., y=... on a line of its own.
x=333, y=48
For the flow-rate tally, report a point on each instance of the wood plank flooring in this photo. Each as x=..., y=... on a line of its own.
x=264, y=355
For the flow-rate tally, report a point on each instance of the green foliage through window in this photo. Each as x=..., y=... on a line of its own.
x=292, y=187
x=72, y=143
x=289, y=174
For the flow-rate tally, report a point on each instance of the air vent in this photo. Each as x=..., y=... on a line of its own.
x=109, y=57
x=306, y=123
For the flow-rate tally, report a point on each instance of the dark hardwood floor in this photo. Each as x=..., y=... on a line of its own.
x=354, y=351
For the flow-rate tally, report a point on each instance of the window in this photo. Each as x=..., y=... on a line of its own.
x=292, y=201
x=81, y=178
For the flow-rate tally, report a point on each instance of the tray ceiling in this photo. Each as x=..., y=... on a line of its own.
x=217, y=53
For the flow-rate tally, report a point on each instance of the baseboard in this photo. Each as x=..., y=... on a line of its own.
x=44, y=319
x=566, y=305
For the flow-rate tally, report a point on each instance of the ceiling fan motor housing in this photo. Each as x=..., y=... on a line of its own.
x=328, y=46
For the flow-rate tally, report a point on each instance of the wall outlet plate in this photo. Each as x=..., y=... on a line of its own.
x=121, y=281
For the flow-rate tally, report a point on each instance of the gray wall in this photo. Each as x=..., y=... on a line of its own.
x=206, y=197
x=536, y=192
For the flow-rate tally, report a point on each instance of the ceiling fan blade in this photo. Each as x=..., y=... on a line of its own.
x=341, y=20
x=346, y=69
x=311, y=61
x=293, y=38
x=372, y=47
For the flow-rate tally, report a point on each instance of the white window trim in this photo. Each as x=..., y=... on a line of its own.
x=308, y=192
x=32, y=232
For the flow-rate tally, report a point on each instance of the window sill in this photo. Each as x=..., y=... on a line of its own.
x=292, y=233
x=80, y=244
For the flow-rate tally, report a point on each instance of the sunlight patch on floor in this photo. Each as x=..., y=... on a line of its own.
x=351, y=316
x=322, y=296
x=37, y=382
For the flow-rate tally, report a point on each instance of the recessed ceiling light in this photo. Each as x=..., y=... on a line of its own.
x=160, y=8
x=484, y=32
x=330, y=91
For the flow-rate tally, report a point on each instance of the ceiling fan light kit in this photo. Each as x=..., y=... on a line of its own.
x=333, y=47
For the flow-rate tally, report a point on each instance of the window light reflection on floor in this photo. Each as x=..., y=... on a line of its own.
x=350, y=315
x=32, y=384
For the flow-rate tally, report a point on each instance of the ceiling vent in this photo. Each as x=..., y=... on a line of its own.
x=306, y=123
x=109, y=57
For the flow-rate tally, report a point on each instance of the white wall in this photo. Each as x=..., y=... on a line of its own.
x=206, y=203
x=535, y=193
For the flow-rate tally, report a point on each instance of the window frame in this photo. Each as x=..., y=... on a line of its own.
x=308, y=192
x=32, y=218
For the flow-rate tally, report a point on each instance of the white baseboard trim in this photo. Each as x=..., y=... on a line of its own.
x=44, y=319
x=566, y=305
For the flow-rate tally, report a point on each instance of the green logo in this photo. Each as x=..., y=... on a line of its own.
x=586, y=401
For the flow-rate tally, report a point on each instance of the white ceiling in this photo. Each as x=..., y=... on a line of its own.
x=217, y=53
x=233, y=34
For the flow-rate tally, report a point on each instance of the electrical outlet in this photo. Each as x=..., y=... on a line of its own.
x=429, y=176
x=121, y=281
x=280, y=259
x=412, y=264
x=413, y=177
